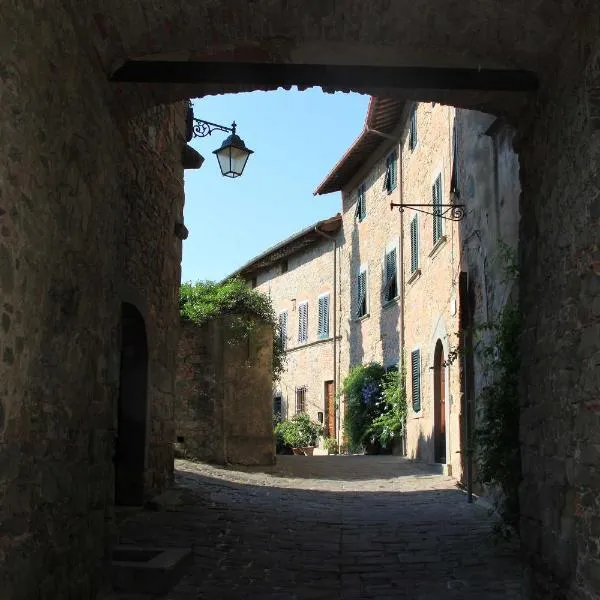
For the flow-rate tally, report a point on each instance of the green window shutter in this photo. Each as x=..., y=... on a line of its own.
x=415, y=360
x=391, y=280
x=303, y=322
x=391, y=176
x=283, y=321
x=436, y=196
x=412, y=134
x=323, y=321
x=361, y=203
x=362, y=294
x=414, y=245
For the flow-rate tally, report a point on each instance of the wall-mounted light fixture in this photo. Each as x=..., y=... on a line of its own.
x=232, y=155
x=450, y=212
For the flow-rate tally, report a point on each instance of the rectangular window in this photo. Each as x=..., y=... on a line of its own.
x=323, y=322
x=391, y=172
x=277, y=408
x=303, y=322
x=414, y=244
x=283, y=322
x=436, y=197
x=361, y=203
x=390, y=290
x=362, y=293
x=412, y=132
x=415, y=362
x=300, y=399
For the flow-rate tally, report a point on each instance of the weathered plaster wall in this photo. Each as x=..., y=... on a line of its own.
x=223, y=409
x=87, y=208
x=431, y=293
x=488, y=182
x=309, y=364
x=375, y=336
x=559, y=293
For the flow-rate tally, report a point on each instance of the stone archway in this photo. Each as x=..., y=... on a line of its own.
x=75, y=141
x=439, y=404
x=132, y=410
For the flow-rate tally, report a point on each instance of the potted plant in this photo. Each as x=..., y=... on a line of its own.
x=331, y=445
x=300, y=433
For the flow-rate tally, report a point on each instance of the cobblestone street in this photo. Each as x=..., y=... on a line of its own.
x=328, y=527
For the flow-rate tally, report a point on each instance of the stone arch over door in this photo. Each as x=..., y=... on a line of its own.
x=132, y=409
x=439, y=348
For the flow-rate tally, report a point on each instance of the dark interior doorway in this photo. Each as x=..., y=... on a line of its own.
x=439, y=404
x=130, y=454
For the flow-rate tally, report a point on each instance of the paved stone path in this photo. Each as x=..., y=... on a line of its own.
x=329, y=527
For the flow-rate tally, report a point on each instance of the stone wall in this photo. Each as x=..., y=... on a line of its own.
x=223, y=408
x=559, y=293
x=488, y=183
x=87, y=210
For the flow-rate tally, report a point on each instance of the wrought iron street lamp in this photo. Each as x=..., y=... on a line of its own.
x=233, y=153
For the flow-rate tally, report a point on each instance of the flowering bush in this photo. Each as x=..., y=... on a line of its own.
x=363, y=390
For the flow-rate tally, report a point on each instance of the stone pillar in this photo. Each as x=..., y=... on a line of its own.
x=560, y=292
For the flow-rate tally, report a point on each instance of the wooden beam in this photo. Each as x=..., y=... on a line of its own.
x=342, y=76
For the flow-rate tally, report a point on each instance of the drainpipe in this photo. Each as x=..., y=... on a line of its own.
x=401, y=253
x=333, y=240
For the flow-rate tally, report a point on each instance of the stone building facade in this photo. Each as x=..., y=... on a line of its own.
x=422, y=154
x=299, y=276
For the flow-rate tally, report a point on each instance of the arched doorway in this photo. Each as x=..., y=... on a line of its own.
x=130, y=454
x=439, y=404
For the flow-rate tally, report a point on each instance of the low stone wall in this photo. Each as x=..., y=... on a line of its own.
x=223, y=409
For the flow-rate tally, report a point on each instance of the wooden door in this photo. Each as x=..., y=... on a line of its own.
x=439, y=404
x=330, y=408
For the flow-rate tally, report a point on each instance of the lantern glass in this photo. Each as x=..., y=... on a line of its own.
x=232, y=156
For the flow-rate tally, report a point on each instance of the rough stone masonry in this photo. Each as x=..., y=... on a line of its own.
x=91, y=189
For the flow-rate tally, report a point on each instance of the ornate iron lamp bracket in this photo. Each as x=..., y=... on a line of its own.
x=450, y=212
x=203, y=128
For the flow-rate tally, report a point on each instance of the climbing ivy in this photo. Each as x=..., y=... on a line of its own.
x=497, y=447
x=205, y=300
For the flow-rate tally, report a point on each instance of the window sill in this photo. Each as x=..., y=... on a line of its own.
x=363, y=317
x=438, y=245
x=414, y=276
x=392, y=302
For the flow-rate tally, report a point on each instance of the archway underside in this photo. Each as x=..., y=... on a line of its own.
x=434, y=35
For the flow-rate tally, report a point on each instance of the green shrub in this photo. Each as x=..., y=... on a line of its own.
x=299, y=431
x=205, y=300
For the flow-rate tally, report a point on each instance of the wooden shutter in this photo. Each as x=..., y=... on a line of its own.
x=412, y=138
x=361, y=205
x=390, y=172
x=414, y=245
x=323, y=327
x=391, y=284
x=303, y=322
x=283, y=322
x=415, y=360
x=436, y=194
x=362, y=294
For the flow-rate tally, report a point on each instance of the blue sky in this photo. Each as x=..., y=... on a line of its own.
x=297, y=137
